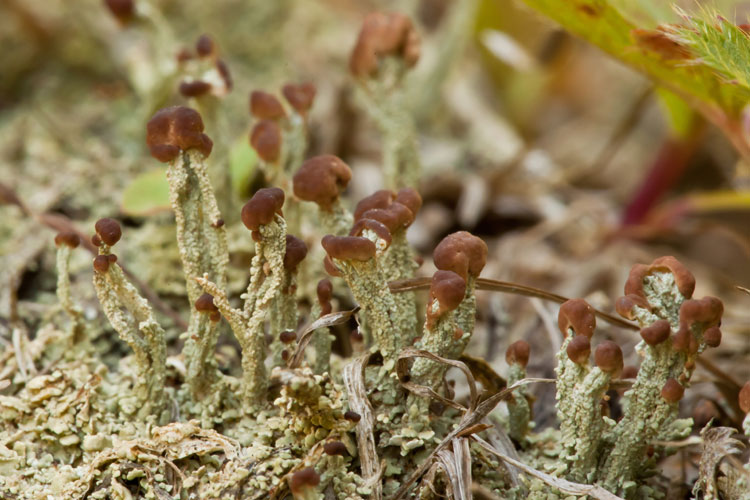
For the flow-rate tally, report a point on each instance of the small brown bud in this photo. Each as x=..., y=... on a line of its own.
x=265, y=106
x=325, y=294
x=744, y=398
x=295, y=252
x=303, y=479
x=712, y=336
x=266, y=140
x=348, y=247
x=579, y=349
x=205, y=303
x=112, y=258
x=657, y=332
x=352, y=416
x=205, y=46
x=285, y=355
x=194, y=88
x=262, y=208
x=449, y=289
x=122, y=10
x=101, y=263
x=321, y=179
x=379, y=199
x=109, y=230
x=300, y=97
x=461, y=252
x=578, y=315
x=288, y=336
x=335, y=448
x=96, y=240
x=518, y=353
x=608, y=357
x=68, y=238
x=176, y=129
x=672, y=391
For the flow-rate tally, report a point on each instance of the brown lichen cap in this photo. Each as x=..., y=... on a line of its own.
x=672, y=391
x=205, y=303
x=352, y=416
x=176, y=129
x=634, y=293
x=330, y=268
x=579, y=349
x=379, y=199
x=334, y=448
x=448, y=288
x=265, y=139
x=205, y=46
x=657, y=332
x=295, y=252
x=303, y=479
x=123, y=10
x=383, y=35
x=321, y=179
x=288, y=336
x=223, y=70
x=101, y=263
x=712, y=336
x=608, y=357
x=262, y=207
x=194, y=88
x=68, y=238
x=696, y=316
x=300, y=97
x=395, y=217
x=348, y=247
x=410, y=198
x=518, y=353
x=578, y=315
x=265, y=106
x=461, y=252
x=744, y=398
x=108, y=230
x=324, y=291
x=375, y=226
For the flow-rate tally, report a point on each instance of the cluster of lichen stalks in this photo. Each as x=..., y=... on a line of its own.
x=304, y=430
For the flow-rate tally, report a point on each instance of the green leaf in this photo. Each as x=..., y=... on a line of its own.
x=680, y=116
x=147, y=194
x=242, y=163
x=668, y=57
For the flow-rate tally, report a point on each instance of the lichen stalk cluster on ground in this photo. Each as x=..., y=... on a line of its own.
x=302, y=422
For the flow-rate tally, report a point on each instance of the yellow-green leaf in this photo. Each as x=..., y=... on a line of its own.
x=147, y=194
x=242, y=162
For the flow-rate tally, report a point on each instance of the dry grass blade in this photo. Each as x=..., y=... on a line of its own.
x=451, y=462
x=743, y=289
x=563, y=485
x=508, y=287
x=322, y=322
x=354, y=380
x=402, y=369
x=471, y=419
x=718, y=444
